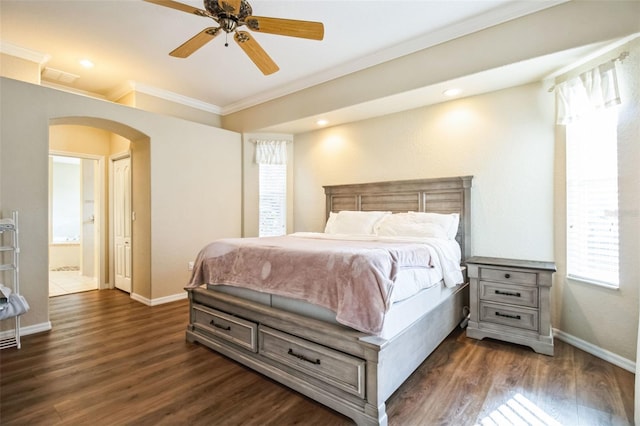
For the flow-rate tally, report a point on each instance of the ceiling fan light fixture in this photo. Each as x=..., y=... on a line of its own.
x=229, y=25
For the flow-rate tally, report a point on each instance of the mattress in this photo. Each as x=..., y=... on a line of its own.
x=400, y=316
x=358, y=277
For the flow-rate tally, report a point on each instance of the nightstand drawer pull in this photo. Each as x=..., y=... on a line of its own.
x=227, y=328
x=302, y=357
x=516, y=317
x=507, y=276
x=507, y=293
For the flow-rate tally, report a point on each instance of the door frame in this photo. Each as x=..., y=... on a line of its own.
x=99, y=209
x=112, y=268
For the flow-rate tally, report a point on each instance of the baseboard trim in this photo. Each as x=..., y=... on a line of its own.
x=594, y=350
x=30, y=329
x=159, y=300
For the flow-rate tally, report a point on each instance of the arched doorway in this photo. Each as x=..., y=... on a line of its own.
x=108, y=141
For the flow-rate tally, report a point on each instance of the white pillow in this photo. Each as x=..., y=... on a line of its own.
x=408, y=225
x=330, y=222
x=449, y=222
x=353, y=222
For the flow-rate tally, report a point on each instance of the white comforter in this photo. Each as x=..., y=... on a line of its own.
x=447, y=268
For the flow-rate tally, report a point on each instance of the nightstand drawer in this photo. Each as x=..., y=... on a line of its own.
x=505, y=293
x=507, y=276
x=228, y=327
x=509, y=315
x=335, y=368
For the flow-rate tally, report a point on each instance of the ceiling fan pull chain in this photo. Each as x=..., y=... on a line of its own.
x=226, y=39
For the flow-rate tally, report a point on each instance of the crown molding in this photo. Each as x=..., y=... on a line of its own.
x=505, y=13
x=608, y=48
x=22, y=53
x=69, y=89
x=118, y=92
x=167, y=95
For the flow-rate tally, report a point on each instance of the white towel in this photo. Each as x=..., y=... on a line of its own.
x=15, y=303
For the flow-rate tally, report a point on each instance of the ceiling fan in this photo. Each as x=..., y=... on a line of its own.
x=232, y=14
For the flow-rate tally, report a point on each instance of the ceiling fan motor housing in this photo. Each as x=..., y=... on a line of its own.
x=213, y=7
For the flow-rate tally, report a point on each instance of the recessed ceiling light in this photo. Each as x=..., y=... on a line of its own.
x=86, y=63
x=322, y=122
x=452, y=92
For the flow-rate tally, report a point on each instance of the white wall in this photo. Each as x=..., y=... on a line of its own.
x=504, y=139
x=195, y=183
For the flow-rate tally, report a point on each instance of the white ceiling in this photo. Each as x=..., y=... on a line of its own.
x=129, y=40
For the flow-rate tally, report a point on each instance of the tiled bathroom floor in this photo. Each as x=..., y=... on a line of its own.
x=65, y=282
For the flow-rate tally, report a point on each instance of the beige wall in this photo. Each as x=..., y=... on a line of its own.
x=19, y=69
x=194, y=183
x=600, y=316
x=176, y=109
x=506, y=140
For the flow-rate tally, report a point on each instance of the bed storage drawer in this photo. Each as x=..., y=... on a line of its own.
x=335, y=368
x=228, y=327
x=509, y=315
x=513, y=294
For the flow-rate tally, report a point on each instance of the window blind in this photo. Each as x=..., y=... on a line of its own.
x=273, y=200
x=592, y=198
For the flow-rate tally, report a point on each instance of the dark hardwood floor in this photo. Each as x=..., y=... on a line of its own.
x=112, y=361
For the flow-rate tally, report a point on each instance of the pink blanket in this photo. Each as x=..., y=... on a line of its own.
x=352, y=278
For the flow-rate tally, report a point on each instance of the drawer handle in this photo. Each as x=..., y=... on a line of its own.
x=302, y=357
x=507, y=293
x=507, y=276
x=227, y=328
x=500, y=314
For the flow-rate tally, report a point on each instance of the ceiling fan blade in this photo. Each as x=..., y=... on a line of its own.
x=195, y=42
x=286, y=27
x=230, y=6
x=255, y=52
x=179, y=6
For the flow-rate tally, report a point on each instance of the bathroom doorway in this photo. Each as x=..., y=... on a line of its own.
x=74, y=218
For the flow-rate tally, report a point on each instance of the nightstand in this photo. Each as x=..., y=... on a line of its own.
x=509, y=300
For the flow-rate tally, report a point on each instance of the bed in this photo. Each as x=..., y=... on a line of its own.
x=321, y=346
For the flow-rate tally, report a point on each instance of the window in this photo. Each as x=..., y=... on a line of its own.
x=592, y=198
x=65, y=199
x=273, y=200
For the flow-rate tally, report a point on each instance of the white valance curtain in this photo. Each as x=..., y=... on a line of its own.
x=271, y=151
x=592, y=90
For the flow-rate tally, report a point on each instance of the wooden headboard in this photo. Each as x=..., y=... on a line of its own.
x=441, y=195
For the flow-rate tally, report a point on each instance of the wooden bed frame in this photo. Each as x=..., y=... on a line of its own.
x=346, y=370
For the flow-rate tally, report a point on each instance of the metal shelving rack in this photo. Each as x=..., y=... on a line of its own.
x=10, y=251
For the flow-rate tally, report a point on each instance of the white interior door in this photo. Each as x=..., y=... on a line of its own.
x=122, y=223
